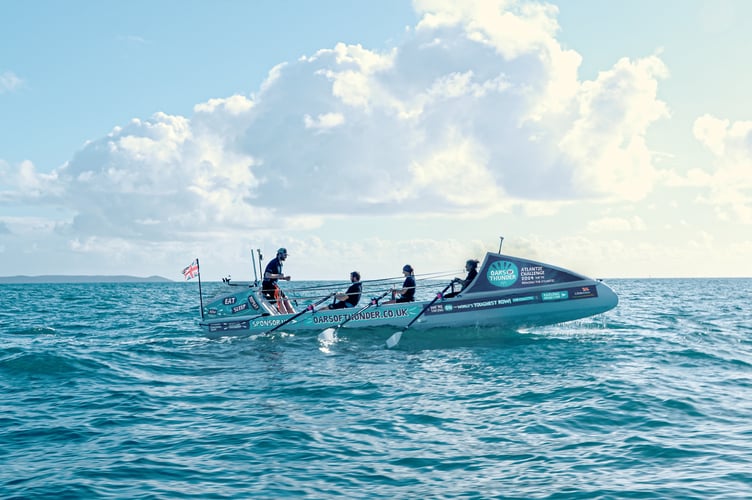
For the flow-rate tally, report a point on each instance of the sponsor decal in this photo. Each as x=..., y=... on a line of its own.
x=502, y=273
x=266, y=322
x=229, y=326
x=534, y=275
x=253, y=302
x=239, y=307
x=557, y=295
x=526, y=298
x=371, y=314
x=584, y=292
x=521, y=299
x=470, y=306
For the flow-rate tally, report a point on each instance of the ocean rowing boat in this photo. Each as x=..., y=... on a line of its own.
x=510, y=292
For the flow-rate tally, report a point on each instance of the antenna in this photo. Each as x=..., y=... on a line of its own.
x=501, y=242
x=260, y=258
x=255, y=275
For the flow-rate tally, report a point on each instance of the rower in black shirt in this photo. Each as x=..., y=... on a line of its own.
x=351, y=297
x=407, y=292
x=471, y=266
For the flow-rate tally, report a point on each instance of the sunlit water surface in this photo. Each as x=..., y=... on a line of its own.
x=112, y=391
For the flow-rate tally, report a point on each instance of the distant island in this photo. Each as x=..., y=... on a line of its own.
x=15, y=280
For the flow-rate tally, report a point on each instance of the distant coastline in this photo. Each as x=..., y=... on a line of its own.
x=19, y=280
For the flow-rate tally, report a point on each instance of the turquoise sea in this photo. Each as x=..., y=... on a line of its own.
x=111, y=391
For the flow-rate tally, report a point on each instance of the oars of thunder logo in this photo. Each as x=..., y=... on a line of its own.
x=502, y=273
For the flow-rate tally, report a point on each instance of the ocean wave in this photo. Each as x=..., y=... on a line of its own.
x=112, y=383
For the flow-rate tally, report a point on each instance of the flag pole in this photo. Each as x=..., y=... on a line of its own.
x=200, y=296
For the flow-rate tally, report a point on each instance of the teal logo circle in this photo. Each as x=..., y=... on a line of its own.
x=502, y=273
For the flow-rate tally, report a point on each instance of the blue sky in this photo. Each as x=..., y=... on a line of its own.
x=614, y=138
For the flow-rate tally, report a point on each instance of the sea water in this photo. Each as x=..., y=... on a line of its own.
x=112, y=391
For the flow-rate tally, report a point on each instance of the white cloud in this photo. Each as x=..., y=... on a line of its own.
x=512, y=28
x=515, y=30
x=233, y=105
x=607, y=137
x=711, y=133
x=353, y=74
x=398, y=119
x=478, y=111
x=457, y=172
x=9, y=82
x=728, y=186
x=25, y=183
x=157, y=170
x=324, y=121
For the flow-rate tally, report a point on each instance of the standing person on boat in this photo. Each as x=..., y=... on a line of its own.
x=351, y=297
x=407, y=292
x=471, y=267
x=269, y=286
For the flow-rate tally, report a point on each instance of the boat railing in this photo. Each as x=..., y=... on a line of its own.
x=265, y=304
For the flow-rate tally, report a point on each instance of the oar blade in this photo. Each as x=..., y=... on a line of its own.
x=393, y=340
x=327, y=335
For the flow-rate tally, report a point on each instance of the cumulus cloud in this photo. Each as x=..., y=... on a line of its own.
x=9, y=81
x=24, y=183
x=325, y=121
x=728, y=186
x=479, y=110
x=606, y=141
x=163, y=176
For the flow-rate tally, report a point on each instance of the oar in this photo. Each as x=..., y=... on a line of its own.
x=329, y=332
x=395, y=338
x=294, y=316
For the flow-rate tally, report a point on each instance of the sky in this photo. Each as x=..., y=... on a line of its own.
x=610, y=138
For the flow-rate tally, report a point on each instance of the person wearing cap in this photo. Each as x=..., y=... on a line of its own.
x=269, y=286
x=471, y=267
x=351, y=297
x=407, y=292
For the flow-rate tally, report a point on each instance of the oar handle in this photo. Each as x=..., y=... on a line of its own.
x=375, y=300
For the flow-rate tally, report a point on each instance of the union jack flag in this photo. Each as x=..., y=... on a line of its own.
x=191, y=271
